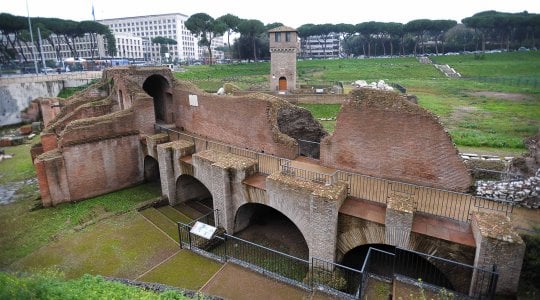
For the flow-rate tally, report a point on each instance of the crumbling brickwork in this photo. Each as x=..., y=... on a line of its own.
x=381, y=134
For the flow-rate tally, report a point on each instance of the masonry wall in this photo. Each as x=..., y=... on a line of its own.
x=381, y=134
x=246, y=122
x=104, y=166
x=283, y=64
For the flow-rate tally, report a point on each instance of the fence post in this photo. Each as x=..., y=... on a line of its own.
x=312, y=273
x=492, y=282
x=179, y=235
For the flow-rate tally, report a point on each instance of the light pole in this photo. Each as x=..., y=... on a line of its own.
x=31, y=38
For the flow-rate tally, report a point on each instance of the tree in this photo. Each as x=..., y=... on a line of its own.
x=164, y=43
x=438, y=29
x=231, y=22
x=206, y=29
x=419, y=28
x=304, y=32
x=251, y=29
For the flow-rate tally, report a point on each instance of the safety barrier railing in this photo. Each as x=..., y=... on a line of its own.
x=433, y=201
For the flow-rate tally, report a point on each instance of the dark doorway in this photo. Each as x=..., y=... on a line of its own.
x=282, y=83
x=266, y=226
x=157, y=87
x=151, y=170
x=403, y=262
x=194, y=193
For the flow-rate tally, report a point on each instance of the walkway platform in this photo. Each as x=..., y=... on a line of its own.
x=437, y=227
x=258, y=180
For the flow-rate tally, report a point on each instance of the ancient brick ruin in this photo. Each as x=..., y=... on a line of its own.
x=105, y=138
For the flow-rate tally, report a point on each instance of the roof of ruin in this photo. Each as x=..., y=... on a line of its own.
x=282, y=29
x=496, y=226
x=225, y=160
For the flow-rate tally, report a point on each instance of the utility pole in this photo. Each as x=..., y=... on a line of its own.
x=31, y=38
x=41, y=51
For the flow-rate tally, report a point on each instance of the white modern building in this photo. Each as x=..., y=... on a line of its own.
x=165, y=25
x=321, y=47
x=129, y=46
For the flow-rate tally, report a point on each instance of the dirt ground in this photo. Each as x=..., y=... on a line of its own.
x=235, y=282
x=499, y=95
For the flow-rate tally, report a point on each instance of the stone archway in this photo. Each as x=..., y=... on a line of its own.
x=158, y=87
x=190, y=189
x=151, y=170
x=403, y=262
x=265, y=225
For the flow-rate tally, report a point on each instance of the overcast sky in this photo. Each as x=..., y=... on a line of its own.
x=290, y=12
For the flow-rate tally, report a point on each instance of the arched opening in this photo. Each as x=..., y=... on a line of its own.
x=282, y=84
x=151, y=170
x=157, y=87
x=403, y=262
x=193, y=197
x=267, y=226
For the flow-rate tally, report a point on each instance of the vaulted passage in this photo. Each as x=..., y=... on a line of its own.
x=151, y=170
x=401, y=262
x=189, y=189
x=266, y=226
x=158, y=87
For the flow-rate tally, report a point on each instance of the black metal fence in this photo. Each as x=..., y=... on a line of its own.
x=439, y=274
x=464, y=281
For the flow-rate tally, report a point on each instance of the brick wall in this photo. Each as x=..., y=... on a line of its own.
x=101, y=167
x=246, y=122
x=381, y=134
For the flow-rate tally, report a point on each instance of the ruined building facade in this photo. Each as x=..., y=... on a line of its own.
x=104, y=139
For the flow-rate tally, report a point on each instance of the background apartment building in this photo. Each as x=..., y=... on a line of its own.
x=321, y=47
x=167, y=25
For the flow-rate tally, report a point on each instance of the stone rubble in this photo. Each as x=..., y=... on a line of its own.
x=380, y=85
x=521, y=192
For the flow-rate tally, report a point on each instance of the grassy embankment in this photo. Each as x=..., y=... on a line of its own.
x=52, y=285
x=493, y=110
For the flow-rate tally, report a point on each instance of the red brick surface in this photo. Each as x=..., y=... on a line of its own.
x=241, y=121
x=381, y=134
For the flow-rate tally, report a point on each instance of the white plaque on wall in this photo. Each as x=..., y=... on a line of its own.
x=203, y=230
x=193, y=100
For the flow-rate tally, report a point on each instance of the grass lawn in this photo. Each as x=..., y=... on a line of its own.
x=123, y=246
x=185, y=269
x=23, y=230
x=480, y=114
x=19, y=167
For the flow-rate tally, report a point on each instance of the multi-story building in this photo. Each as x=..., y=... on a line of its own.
x=321, y=46
x=129, y=46
x=166, y=25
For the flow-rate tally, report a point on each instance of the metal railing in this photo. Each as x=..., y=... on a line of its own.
x=51, y=77
x=438, y=273
x=433, y=201
x=308, y=175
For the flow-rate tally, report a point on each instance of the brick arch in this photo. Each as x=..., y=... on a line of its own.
x=190, y=188
x=159, y=87
x=354, y=232
x=297, y=219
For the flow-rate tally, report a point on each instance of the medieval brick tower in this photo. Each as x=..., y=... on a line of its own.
x=283, y=49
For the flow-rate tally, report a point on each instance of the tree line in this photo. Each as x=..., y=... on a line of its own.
x=482, y=31
x=15, y=36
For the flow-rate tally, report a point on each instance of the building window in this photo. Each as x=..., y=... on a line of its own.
x=287, y=36
x=277, y=37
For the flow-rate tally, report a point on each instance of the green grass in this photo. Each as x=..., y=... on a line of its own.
x=23, y=230
x=473, y=120
x=19, y=167
x=123, y=246
x=195, y=271
x=52, y=285
x=324, y=111
x=162, y=222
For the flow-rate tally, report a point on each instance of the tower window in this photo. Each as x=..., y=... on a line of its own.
x=277, y=38
x=287, y=36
